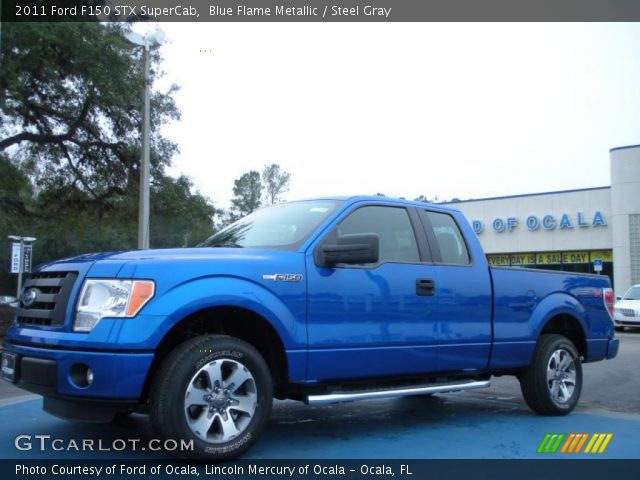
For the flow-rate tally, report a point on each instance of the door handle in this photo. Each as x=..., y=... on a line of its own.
x=425, y=287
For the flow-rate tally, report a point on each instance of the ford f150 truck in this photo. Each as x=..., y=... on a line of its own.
x=323, y=301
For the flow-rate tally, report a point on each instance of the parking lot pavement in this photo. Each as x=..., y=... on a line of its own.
x=452, y=426
x=492, y=423
x=610, y=386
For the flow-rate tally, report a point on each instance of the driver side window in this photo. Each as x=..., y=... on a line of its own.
x=393, y=227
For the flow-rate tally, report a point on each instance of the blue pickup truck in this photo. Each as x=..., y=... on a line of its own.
x=326, y=300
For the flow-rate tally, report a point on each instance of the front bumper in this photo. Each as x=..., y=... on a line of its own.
x=626, y=317
x=624, y=321
x=118, y=378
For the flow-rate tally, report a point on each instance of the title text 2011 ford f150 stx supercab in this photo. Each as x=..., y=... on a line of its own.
x=322, y=300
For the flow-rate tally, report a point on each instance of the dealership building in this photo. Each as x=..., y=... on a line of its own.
x=591, y=230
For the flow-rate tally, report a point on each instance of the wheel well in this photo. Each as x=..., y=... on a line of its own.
x=569, y=327
x=235, y=322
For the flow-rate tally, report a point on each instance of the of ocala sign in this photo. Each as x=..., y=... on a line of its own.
x=544, y=222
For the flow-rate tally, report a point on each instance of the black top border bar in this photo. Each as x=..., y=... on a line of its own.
x=321, y=11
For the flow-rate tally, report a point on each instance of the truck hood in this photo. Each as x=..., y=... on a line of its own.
x=165, y=254
x=186, y=253
x=181, y=262
x=170, y=268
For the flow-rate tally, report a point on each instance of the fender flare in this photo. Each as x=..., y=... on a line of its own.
x=202, y=293
x=554, y=304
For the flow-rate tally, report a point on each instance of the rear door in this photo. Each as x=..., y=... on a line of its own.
x=462, y=311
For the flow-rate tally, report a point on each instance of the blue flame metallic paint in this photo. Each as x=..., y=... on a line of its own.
x=335, y=323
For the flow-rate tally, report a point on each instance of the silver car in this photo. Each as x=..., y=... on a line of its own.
x=626, y=311
x=7, y=299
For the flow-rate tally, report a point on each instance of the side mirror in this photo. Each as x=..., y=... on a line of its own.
x=353, y=249
x=618, y=298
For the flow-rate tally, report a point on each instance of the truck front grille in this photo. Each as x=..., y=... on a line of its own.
x=627, y=312
x=45, y=298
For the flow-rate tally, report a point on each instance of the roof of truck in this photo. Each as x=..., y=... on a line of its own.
x=378, y=198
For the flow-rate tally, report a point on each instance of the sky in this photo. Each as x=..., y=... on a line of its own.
x=466, y=110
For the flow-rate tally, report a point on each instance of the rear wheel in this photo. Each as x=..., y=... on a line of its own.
x=551, y=385
x=214, y=390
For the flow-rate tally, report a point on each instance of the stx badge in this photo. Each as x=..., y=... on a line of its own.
x=283, y=277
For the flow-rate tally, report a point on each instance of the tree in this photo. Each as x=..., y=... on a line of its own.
x=70, y=101
x=180, y=216
x=246, y=194
x=70, y=96
x=425, y=199
x=275, y=182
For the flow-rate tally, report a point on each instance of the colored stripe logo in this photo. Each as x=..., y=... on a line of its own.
x=574, y=443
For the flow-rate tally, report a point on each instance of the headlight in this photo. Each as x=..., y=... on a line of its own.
x=102, y=298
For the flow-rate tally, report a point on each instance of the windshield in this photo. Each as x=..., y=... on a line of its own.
x=633, y=293
x=283, y=226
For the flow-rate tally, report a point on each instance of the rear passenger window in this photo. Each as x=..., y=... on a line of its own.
x=450, y=241
x=392, y=224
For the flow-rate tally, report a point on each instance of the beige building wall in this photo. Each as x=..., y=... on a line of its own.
x=615, y=209
x=522, y=239
x=625, y=215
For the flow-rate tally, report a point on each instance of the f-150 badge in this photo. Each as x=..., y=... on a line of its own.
x=283, y=277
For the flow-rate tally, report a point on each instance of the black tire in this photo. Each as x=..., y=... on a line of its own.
x=619, y=329
x=190, y=368
x=552, y=396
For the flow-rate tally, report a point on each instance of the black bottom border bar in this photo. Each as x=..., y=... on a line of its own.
x=583, y=469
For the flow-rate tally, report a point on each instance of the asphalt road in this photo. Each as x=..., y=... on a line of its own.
x=611, y=385
x=608, y=386
x=489, y=423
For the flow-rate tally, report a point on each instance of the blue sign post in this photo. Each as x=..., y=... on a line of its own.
x=597, y=265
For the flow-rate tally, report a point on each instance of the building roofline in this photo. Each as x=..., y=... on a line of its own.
x=523, y=195
x=625, y=147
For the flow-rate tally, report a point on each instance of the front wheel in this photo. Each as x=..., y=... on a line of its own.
x=551, y=385
x=216, y=391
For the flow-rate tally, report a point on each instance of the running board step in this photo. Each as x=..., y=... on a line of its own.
x=338, y=397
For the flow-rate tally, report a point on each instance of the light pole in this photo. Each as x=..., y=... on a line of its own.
x=148, y=42
x=22, y=241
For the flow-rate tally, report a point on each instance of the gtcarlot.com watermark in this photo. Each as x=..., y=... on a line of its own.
x=45, y=443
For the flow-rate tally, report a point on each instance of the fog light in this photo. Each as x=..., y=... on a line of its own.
x=81, y=375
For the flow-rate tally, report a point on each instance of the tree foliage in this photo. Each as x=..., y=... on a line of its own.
x=276, y=182
x=247, y=191
x=425, y=199
x=70, y=115
x=419, y=198
x=71, y=96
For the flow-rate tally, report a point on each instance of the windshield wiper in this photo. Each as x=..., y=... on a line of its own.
x=227, y=245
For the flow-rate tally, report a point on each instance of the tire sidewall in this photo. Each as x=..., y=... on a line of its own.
x=181, y=374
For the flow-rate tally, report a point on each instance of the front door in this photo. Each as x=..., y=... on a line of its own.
x=376, y=319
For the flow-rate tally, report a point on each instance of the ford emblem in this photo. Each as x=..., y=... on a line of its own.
x=29, y=297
